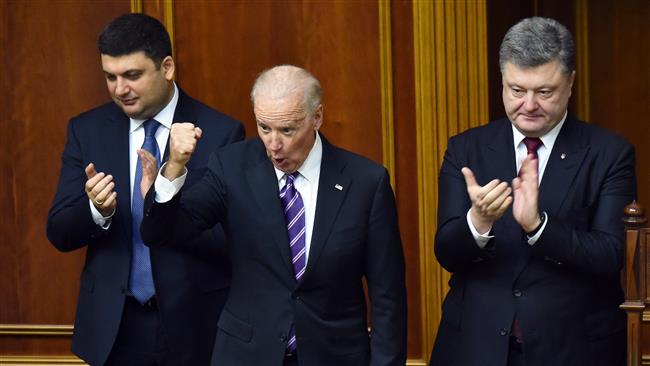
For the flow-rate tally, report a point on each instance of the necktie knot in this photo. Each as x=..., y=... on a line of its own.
x=532, y=144
x=150, y=128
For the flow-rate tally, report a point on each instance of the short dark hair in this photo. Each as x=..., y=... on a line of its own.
x=535, y=41
x=135, y=32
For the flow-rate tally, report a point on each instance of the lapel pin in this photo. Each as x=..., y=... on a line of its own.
x=339, y=187
x=563, y=156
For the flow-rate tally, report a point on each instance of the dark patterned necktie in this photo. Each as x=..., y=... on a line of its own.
x=532, y=144
x=141, y=277
x=294, y=212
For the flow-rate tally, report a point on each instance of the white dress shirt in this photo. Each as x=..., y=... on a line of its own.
x=136, y=137
x=306, y=184
x=543, y=153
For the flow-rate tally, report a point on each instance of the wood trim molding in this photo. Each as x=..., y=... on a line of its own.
x=386, y=85
x=39, y=360
x=582, y=58
x=161, y=9
x=136, y=6
x=450, y=52
x=36, y=329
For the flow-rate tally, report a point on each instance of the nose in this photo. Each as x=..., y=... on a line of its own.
x=121, y=87
x=530, y=101
x=275, y=142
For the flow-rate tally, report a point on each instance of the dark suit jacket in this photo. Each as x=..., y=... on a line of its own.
x=355, y=235
x=190, y=288
x=565, y=288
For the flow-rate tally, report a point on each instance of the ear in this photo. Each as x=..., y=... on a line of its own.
x=168, y=67
x=318, y=117
x=571, y=79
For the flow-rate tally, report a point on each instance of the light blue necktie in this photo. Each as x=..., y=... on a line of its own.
x=294, y=212
x=141, y=277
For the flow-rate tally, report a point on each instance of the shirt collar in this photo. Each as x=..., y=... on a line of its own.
x=311, y=166
x=548, y=139
x=165, y=117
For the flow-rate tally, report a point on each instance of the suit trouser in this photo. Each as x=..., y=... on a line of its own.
x=140, y=340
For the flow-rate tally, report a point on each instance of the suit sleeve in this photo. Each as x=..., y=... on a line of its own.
x=455, y=246
x=385, y=276
x=591, y=239
x=192, y=211
x=69, y=222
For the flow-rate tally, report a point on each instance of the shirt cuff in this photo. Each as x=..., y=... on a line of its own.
x=481, y=239
x=533, y=239
x=98, y=218
x=166, y=189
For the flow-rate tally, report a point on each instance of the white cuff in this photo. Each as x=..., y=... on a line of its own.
x=166, y=189
x=532, y=240
x=98, y=218
x=481, y=239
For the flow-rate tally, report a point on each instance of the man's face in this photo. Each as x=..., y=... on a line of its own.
x=286, y=129
x=536, y=98
x=139, y=88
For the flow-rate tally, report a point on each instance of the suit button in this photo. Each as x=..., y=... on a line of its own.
x=503, y=332
x=517, y=293
x=283, y=338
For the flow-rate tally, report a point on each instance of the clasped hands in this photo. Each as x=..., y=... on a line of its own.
x=489, y=202
x=100, y=186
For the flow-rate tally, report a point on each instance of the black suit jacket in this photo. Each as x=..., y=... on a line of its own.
x=190, y=288
x=355, y=235
x=565, y=288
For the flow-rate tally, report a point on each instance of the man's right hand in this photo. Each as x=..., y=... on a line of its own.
x=182, y=142
x=99, y=189
x=489, y=202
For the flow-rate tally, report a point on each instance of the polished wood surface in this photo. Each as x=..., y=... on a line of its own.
x=620, y=77
x=51, y=71
x=635, y=280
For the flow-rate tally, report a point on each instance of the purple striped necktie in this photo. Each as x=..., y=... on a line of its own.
x=294, y=212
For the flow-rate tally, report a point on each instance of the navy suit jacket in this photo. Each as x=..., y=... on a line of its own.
x=355, y=235
x=190, y=288
x=565, y=289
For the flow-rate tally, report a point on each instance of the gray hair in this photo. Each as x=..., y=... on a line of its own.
x=280, y=81
x=535, y=41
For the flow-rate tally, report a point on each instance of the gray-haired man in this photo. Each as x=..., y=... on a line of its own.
x=529, y=221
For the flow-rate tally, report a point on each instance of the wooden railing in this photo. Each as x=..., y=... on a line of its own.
x=635, y=283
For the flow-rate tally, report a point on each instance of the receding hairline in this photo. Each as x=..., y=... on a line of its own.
x=285, y=81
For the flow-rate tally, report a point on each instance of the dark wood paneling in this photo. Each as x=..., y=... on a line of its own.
x=503, y=14
x=221, y=46
x=406, y=175
x=619, y=35
x=51, y=71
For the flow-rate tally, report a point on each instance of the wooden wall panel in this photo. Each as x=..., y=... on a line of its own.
x=51, y=71
x=222, y=46
x=406, y=166
x=619, y=35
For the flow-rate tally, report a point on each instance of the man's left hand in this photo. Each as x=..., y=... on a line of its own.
x=525, y=206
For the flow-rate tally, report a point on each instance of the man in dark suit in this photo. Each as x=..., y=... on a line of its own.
x=535, y=265
x=305, y=222
x=136, y=307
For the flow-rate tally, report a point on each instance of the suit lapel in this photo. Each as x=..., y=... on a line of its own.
x=116, y=134
x=328, y=201
x=264, y=184
x=564, y=162
x=500, y=151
